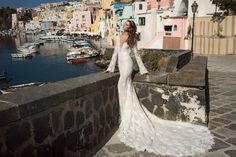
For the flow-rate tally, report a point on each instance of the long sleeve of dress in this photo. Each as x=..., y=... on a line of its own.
x=112, y=64
x=141, y=66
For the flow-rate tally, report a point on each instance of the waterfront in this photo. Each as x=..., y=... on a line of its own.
x=48, y=65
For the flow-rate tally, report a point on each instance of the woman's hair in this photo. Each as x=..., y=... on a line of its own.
x=132, y=39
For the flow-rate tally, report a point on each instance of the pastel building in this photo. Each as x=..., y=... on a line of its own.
x=106, y=4
x=99, y=25
x=81, y=21
x=161, y=25
x=46, y=6
x=21, y=24
x=14, y=21
x=139, y=6
x=127, y=14
x=32, y=25
x=159, y=4
x=46, y=25
x=94, y=10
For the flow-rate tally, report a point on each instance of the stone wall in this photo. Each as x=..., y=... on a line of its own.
x=73, y=117
x=179, y=96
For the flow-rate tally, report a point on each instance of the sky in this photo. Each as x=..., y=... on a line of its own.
x=24, y=3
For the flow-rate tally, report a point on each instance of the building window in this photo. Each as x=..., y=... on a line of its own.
x=141, y=21
x=133, y=7
x=175, y=27
x=140, y=6
x=83, y=16
x=168, y=28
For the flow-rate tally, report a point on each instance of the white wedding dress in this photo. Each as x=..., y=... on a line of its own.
x=142, y=130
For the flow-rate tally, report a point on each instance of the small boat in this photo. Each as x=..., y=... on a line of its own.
x=39, y=42
x=28, y=48
x=77, y=60
x=86, y=52
x=21, y=55
x=53, y=36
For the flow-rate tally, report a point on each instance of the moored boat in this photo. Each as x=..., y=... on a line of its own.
x=28, y=48
x=77, y=60
x=21, y=55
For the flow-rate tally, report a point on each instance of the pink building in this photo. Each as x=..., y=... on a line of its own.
x=21, y=24
x=81, y=21
x=160, y=4
x=175, y=27
x=14, y=21
x=46, y=6
x=94, y=9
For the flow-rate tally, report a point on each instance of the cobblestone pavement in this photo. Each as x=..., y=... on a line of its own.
x=222, y=81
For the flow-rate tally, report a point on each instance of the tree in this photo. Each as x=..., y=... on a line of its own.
x=5, y=17
x=229, y=6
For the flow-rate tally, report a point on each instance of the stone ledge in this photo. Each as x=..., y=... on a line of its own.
x=192, y=75
x=25, y=102
x=178, y=60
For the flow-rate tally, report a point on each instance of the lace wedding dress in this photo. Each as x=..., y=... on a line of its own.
x=142, y=130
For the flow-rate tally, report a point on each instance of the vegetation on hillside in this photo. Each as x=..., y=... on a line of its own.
x=5, y=17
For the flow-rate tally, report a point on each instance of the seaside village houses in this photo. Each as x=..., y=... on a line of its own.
x=161, y=24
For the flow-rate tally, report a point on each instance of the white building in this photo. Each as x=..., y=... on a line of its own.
x=205, y=8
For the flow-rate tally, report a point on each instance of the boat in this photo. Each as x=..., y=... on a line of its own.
x=85, y=52
x=21, y=55
x=39, y=42
x=28, y=48
x=53, y=36
x=77, y=60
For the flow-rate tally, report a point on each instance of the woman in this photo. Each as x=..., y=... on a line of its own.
x=141, y=129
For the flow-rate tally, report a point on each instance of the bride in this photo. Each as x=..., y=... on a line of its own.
x=139, y=128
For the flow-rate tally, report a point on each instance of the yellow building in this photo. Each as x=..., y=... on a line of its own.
x=95, y=25
x=106, y=4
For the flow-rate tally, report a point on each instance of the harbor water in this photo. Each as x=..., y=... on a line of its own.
x=48, y=65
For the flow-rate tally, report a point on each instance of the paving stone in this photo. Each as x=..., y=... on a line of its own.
x=230, y=93
x=231, y=153
x=225, y=132
x=219, y=144
x=230, y=116
x=218, y=136
x=232, y=141
x=221, y=110
x=221, y=120
x=118, y=148
x=232, y=126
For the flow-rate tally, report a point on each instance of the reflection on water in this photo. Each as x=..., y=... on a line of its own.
x=46, y=66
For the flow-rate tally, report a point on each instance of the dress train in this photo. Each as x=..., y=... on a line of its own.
x=142, y=130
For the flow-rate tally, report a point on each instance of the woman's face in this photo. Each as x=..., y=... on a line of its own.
x=126, y=26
